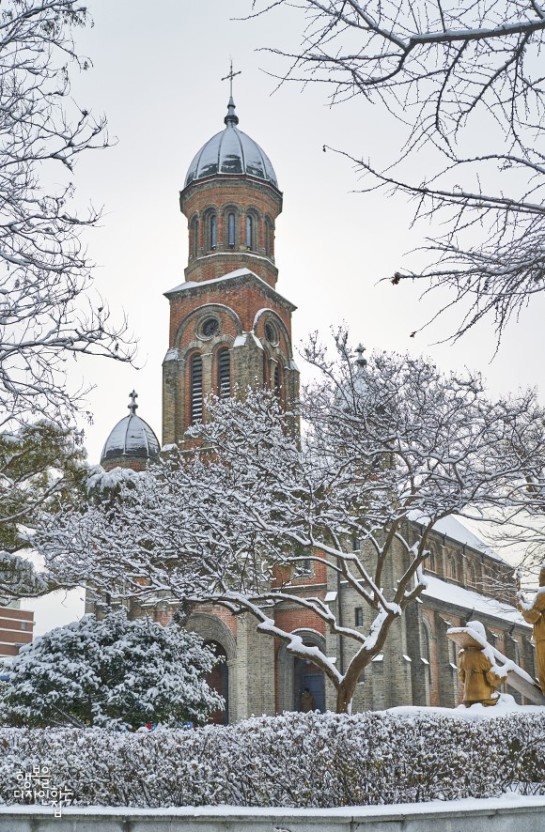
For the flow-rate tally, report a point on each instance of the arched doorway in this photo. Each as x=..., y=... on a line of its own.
x=308, y=686
x=297, y=673
x=218, y=680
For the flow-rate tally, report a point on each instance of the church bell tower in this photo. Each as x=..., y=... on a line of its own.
x=229, y=327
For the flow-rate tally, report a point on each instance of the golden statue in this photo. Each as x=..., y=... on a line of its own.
x=476, y=669
x=534, y=613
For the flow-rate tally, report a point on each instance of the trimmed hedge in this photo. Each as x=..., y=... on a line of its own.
x=298, y=760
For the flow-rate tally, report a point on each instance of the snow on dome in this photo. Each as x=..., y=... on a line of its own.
x=131, y=437
x=231, y=152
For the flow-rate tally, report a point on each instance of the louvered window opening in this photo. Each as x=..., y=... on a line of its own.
x=196, y=389
x=224, y=374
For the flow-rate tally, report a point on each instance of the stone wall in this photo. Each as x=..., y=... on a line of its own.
x=493, y=815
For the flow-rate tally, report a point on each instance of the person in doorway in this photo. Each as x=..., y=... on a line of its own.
x=307, y=701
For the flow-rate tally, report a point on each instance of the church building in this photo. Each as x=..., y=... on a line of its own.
x=230, y=327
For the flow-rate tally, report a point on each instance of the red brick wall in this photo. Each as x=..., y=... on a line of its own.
x=16, y=627
x=219, y=194
x=243, y=295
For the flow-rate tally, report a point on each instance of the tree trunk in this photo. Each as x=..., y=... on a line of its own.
x=344, y=700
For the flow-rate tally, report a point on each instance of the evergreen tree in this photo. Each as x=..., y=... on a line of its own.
x=41, y=465
x=111, y=673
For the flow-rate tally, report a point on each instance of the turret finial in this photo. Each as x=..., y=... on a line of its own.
x=132, y=406
x=231, y=118
x=360, y=360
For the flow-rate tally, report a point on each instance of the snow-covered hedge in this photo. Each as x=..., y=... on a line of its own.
x=294, y=760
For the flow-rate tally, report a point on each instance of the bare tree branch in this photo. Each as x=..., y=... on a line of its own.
x=454, y=76
x=47, y=313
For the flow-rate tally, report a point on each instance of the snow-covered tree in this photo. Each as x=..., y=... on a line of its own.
x=387, y=442
x=111, y=673
x=40, y=465
x=463, y=83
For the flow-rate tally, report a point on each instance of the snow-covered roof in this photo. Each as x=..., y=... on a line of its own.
x=242, y=272
x=454, y=528
x=468, y=599
x=191, y=284
x=231, y=152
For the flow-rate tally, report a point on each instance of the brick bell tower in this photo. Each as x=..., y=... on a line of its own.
x=229, y=327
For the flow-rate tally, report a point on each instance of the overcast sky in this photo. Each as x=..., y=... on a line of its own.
x=156, y=74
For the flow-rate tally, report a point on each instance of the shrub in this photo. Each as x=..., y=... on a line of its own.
x=298, y=760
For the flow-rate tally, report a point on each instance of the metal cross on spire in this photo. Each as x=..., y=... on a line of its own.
x=132, y=406
x=230, y=76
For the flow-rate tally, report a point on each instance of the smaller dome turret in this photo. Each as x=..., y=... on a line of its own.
x=131, y=444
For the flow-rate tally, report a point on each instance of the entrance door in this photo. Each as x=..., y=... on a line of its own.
x=309, y=686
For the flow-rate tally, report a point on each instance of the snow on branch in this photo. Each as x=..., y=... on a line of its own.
x=257, y=520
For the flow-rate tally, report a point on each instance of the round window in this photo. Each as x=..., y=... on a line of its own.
x=270, y=333
x=209, y=328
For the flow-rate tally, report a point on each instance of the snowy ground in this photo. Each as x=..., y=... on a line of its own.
x=506, y=705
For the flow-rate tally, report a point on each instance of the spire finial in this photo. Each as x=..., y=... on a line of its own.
x=132, y=406
x=231, y=118
x=360, y=360
x=230, y=76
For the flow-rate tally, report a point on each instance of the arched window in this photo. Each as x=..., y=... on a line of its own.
x=278, y=380
x=516, y=652
x=196, y=397
x=265, y=369
x=194, y=237
x=249, y=231
x=213, y=231
x=431, y=561
x=452, y=655
x=425, y=658
x=268, y=237
x=224, y=374
x=231, y=230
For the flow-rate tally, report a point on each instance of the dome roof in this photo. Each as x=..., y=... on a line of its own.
x=231, y=152
x=132, y=437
